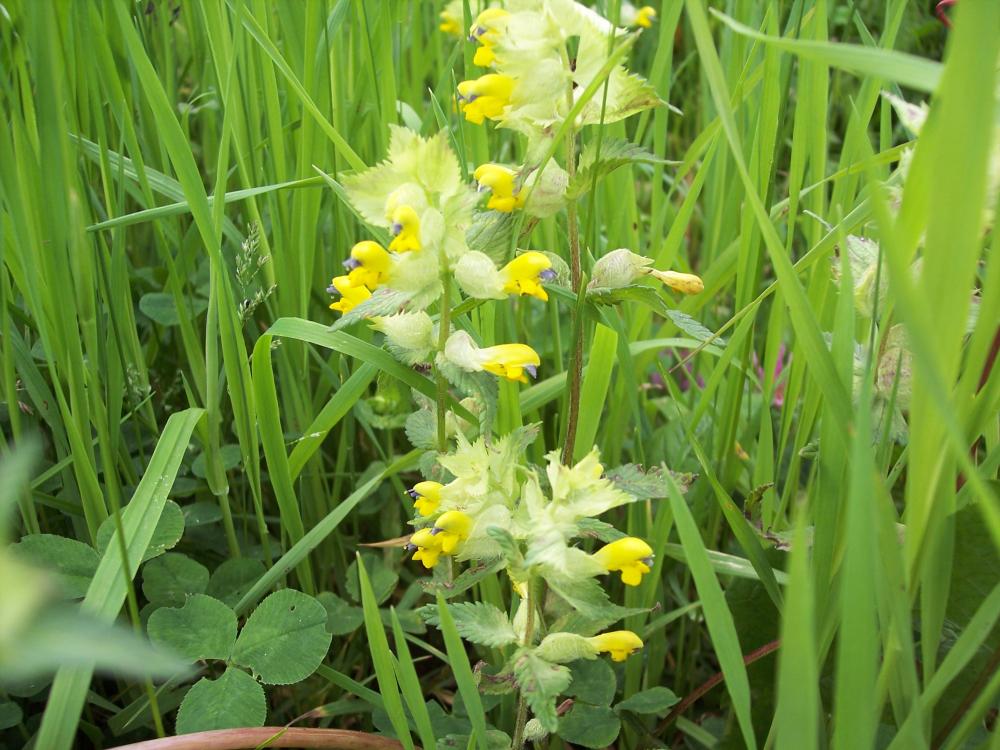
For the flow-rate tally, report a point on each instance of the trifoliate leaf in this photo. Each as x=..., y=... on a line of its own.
x=541, y=683
x=204, y=628
x=656, y=700
x=589, y=726
x=233, y=578
x=341, y=617
x=170, y=579
x=234, y=700
x=73, y=562
x=477, y=622
x=594, y=682
x=285, y=638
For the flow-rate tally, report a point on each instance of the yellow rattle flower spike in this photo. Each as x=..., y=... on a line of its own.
x=368, y=264
x=500, y=182
x=350, y=294
x=405, y=230
x=629, y=555
x=620, y=644
x=450, y=24
x=526, y=273
x=426, y=496
x=451, y=529
x=427, y=547
x=510, y=361
x=485, y=97
x=484, y=31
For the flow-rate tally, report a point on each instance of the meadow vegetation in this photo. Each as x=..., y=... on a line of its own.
x=493, y=374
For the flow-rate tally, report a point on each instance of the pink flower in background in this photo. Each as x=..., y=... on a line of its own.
x=784, y=359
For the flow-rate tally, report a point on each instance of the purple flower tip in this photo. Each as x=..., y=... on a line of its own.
x=396, y=228
x=351, y=263
x=531, y=370
x=547, y=275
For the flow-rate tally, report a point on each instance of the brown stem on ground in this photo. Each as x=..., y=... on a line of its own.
x=710, y=683
x=251, y=737
x=968, y=700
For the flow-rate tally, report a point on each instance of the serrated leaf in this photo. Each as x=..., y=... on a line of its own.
x=233, y=578
x=383, y=301
x=169, y=579
x=647, y=484
x=480, y=385
x=650, y=297
x=169, y=530
x=478, y=622
x=465, y=580
x=589, y=726
x=73, y=562
x=491, y=232
x=541, y=683
x=234, y=700
x=615, y=153
x=656, y=700
x=204, y=628
x=285, y=639
x=421, y=429
x=589, y=598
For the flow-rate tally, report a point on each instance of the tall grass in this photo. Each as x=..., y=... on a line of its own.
x=152, y=150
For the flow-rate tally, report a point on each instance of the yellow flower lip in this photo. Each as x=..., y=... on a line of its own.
x=405, y=229
x=350, y=294
x=630, y=556
x=620, y=644
x=368, y=264
x=426, y=496
x=526, y=273
x=485, y=97
x=686, y=283
x=451, y=529
x=428, y=548
x=511, y=361
x=505, y=193
x=645, y=16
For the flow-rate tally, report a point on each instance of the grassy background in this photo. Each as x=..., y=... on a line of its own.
x=163, y=217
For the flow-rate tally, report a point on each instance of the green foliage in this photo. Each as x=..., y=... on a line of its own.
x=235, y=699
x=203, y=628
x=478, y=622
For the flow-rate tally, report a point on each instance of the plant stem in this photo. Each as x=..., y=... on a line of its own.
x=444, y=324
x=252, y=737
x=576, y=358
x=529, y=634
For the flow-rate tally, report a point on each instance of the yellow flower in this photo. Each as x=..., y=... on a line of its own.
x=450, y=24
x=484, y=31
x=525, y=274
x=405, y=230
x=500, y=181
x=632, y=556
x=427, y=497
x=687, y=283
x=451, y=529
x=350, y=295
x=619, y=643
x=427, y=546
x=645, y=16
x=368, y=265
x=485, y=96
x=510, y=361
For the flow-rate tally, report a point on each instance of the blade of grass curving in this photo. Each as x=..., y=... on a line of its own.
x=382, y=661
x=463, y=674
x=106, y=592
x=718, y=617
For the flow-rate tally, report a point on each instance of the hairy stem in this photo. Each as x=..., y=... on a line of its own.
x=576, y=275
x=529, y=634
x=444, y=324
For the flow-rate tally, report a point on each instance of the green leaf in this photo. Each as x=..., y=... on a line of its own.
x=541, y=683
x=234, y=578
x=159, y=307
x=383, y=301
x=478, y=622
x=169, y=530
x=170, y=579
x=647, y=484
x=460, y=668
x=107, y=591
x=656, y=700
x=10, y=714
x=590, y=726
x=341, y=616
x=285, y=638
x=594, y=682
x=615, y=153
x=476, y=572
x=383, y=578
x=234, y=700
x=73, y=562
x=491, y=232
x=204, y=628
